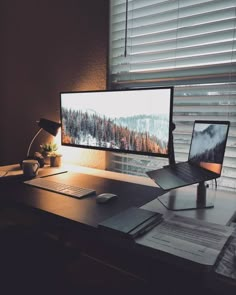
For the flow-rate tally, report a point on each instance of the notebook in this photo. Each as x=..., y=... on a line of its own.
x=131, y=223
x=205, y=160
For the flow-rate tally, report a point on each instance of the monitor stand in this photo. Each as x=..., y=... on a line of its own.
x=188, y=198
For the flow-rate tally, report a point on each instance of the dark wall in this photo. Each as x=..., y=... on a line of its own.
x=47, y=46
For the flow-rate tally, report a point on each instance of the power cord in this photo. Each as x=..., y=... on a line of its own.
x=215, y=184
x=3, y=173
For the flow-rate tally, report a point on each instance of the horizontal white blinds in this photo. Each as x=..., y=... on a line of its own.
x=202, y=102
x=188, y=41
x=188, y=44
x=206, y=102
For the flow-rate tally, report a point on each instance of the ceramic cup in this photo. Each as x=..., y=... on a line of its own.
x=30, y=168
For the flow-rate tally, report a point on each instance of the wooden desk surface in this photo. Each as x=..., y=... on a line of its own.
x=131, y=191
x=84, y=211
x=222, y=212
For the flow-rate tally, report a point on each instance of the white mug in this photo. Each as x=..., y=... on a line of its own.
x=30, y=168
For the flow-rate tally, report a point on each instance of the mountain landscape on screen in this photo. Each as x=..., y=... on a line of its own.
x=208, y=145
x=88, y=128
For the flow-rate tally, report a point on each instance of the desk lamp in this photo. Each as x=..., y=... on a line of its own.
x=47, y=125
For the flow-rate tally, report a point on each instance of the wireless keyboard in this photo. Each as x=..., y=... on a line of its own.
x=60, y=188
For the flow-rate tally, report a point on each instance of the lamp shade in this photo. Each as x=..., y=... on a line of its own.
x=49, y=126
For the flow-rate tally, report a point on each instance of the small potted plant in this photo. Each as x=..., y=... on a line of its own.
x=49, y=151
x=48, y=148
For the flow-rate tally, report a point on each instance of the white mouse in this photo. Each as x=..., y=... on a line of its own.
x=105, y=197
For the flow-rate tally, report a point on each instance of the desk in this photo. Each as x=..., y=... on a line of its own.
x=77, y=220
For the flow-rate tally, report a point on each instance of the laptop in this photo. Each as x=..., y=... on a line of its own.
x=205, y=158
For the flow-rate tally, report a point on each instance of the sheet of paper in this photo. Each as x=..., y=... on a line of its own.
x=188, y=238
x=226, y=265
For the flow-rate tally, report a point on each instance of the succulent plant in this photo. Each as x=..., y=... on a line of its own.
x=48, y=149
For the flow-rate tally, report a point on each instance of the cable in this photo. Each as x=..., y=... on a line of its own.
x=3, y=173
x=126, y=27
x=215, y=184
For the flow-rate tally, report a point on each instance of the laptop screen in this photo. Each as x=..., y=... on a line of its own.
x=208, y=144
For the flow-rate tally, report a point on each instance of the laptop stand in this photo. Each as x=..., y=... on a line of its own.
x=186, y=198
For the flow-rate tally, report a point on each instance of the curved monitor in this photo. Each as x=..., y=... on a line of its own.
x=129, y=121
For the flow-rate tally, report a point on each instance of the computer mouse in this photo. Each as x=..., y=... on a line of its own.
x=105, y=197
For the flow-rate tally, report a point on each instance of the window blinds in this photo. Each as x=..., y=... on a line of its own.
x=188, y=44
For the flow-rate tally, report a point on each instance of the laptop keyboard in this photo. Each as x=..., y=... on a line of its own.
x=60, y=188
x=189, y=173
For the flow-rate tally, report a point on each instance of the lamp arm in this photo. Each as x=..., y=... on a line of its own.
x=37, y=133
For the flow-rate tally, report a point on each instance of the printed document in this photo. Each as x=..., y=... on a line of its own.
x=188, y=238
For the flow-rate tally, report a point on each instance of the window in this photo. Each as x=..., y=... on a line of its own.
x=188, y=44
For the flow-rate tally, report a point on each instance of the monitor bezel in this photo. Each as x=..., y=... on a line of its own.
x=168, y=155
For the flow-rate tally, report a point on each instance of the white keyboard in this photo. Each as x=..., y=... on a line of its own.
x=60, y=188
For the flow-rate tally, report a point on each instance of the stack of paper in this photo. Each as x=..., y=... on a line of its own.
x=188, y=238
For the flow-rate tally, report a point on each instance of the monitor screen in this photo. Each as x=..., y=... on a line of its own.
x=129, y=121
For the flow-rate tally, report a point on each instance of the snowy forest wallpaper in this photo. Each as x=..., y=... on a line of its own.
x=124, y=133
x=106, y=125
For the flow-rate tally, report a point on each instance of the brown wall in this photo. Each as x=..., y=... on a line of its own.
x=47, y=46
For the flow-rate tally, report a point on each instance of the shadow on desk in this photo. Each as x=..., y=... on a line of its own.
x=30, y=263
x=34, y=264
